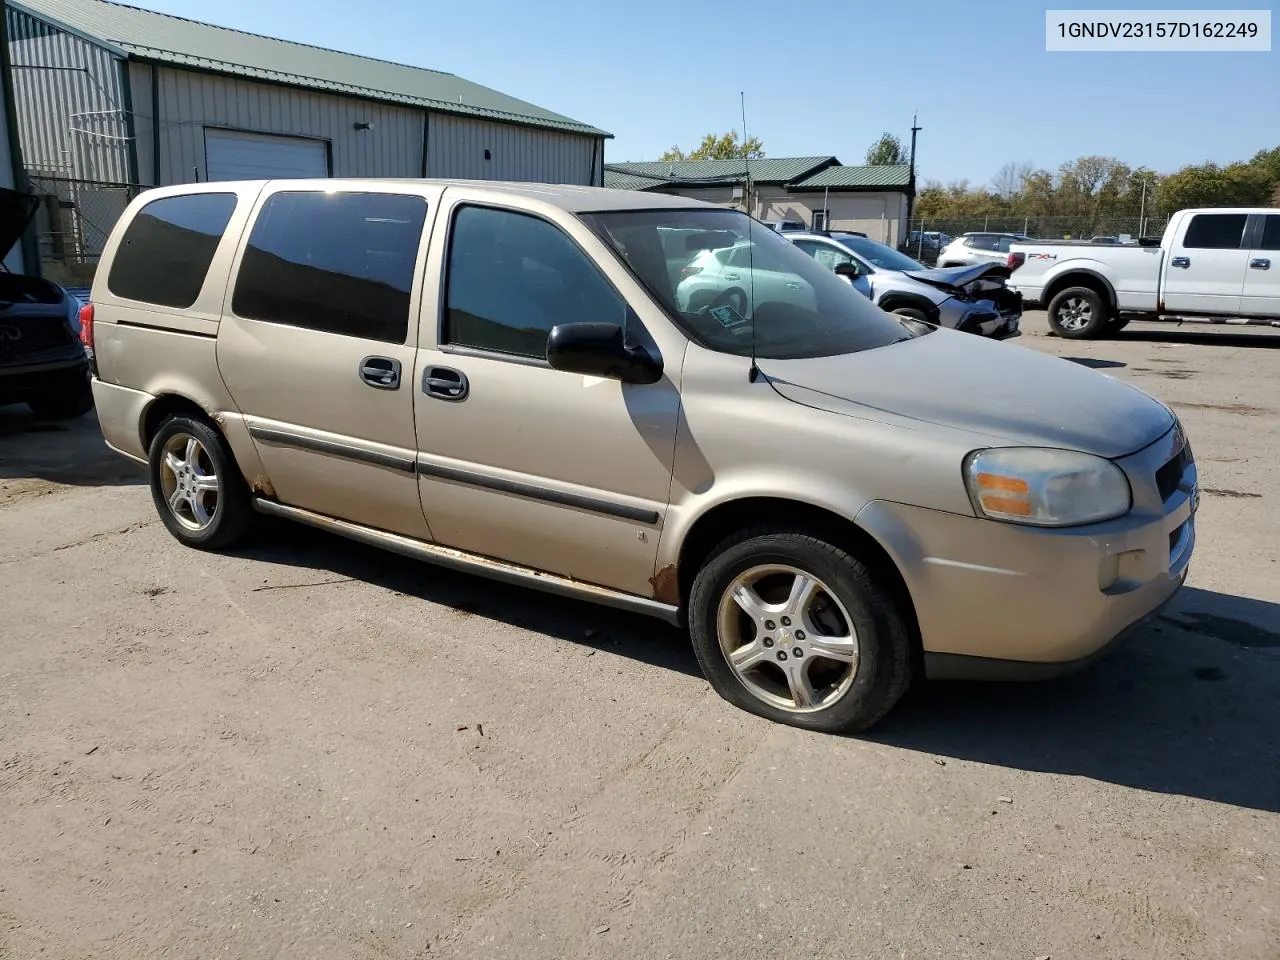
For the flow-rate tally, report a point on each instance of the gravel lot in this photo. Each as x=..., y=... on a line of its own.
x=312, y=749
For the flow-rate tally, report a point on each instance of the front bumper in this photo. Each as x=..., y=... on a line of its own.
x=982, y=318
x=1000, y=599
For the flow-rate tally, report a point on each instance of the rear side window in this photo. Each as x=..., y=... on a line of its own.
x=1215, y=231
x=512, y=277
x=166, y=250
x=334, y=262
x=982, y=243
x=1270, y=233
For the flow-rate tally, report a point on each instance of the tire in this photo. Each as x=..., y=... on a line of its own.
x=911, y=312
x=209, y=516
x=1079, y=313
x=73, y=400
x=856, y=682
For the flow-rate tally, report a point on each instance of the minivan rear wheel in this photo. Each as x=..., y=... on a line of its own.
x=799, y=630
x=196, y=486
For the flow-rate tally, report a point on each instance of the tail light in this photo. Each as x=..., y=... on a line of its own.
x=86, y=325
x=1015, y=260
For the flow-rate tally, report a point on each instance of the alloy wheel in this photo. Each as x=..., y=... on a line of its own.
x=189, y=481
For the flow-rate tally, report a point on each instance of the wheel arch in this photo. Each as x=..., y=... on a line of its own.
x=722, y=520
x=894, y=299
x=230, y=426
x=1079, y=278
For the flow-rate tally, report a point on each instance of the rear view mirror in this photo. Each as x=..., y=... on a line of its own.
x=600, y=350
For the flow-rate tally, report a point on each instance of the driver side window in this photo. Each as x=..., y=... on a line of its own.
x=825, y=254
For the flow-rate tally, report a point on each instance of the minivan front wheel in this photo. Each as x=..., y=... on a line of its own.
x=799, y=630
x=195, y=484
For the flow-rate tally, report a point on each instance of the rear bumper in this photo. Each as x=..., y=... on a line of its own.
x=120, y=413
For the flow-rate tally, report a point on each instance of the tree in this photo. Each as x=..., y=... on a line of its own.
x=724, y=146
x=1008, y=182
x=886, y=150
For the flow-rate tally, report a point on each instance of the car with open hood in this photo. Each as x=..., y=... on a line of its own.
x=505, y=379
x=972, y=299
x=42, y=360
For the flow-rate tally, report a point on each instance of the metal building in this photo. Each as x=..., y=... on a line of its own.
x=111, y=98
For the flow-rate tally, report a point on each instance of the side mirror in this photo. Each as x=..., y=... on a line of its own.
x=600, y=350
x=849, y=270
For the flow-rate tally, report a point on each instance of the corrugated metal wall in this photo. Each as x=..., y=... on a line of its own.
x=189, y=102
x=457, y=146
x=70, y=103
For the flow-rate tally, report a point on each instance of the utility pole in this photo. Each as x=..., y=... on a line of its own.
x=911, y=183
x=1142, y=211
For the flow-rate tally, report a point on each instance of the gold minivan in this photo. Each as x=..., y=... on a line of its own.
x=519, y=380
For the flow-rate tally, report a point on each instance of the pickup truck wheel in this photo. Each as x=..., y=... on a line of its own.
x=796, y=629
x=196, y=486
x=1078, y=313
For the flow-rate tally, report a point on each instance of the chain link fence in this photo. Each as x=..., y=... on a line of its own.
x=72, y=224
x=927, y=236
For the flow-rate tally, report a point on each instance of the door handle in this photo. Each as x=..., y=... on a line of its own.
x=1180, y=262
x=380, y=372
x=445, y=383
x=792, y=285
x=1259, y=263
x=732, y=276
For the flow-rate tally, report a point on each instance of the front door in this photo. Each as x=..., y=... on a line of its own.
x=560, y=472
x=1204, y=271
x=314, y=348
x=1261, y=297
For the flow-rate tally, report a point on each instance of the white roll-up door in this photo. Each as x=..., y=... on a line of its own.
x=230, y=155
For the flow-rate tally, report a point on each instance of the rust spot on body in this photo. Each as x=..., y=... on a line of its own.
x=666, y=585
x=263, y=486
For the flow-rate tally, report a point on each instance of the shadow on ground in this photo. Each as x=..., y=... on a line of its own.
x=1175, y=710
x=644, y=639
x=1095, y=364
x=68, y=452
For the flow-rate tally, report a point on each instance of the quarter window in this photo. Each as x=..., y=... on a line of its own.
x=512, y=277
x=166, y=250
x=1215, y=231
x=335, y=262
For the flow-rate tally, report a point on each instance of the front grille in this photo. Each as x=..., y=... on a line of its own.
x=1170, y=475
x=21, y=337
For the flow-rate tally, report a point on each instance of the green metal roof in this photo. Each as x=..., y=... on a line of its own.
x=146, y=35
x=617, y=180
x=764, y=170
x=858, y=178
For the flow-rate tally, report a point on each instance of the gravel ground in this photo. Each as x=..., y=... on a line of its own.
x=309, y=749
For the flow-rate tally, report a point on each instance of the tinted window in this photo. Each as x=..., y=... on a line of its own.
x=513, y=277
x=878, y=255
x=1270, y=233
x=784, y=305
x=1215, y=231
x=983, y=242
x=335, y=262
x=166, y=251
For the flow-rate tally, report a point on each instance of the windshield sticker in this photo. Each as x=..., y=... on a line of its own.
x=728, y=317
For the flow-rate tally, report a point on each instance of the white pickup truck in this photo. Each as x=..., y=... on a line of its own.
x=1217, y=265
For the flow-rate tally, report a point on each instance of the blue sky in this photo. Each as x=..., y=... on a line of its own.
x=819, y=77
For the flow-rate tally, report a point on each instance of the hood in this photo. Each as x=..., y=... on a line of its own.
x=960, y=278
x=16, y=211
x=980, y=386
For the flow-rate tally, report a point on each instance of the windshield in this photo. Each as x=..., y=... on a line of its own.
x=734, y=286
x=877, y=254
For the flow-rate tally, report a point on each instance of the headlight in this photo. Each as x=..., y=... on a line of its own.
x=1045, y=486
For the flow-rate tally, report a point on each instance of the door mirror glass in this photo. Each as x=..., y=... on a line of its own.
x=849, y=269
x=600, y=350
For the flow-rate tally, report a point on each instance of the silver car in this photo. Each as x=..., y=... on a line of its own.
x=970, y=299
x=973, y=248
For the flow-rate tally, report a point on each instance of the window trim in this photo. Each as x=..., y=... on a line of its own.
x=204, y=282
x=242, y=248
x=442, y=307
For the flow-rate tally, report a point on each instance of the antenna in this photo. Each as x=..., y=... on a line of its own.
x=754, y=371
